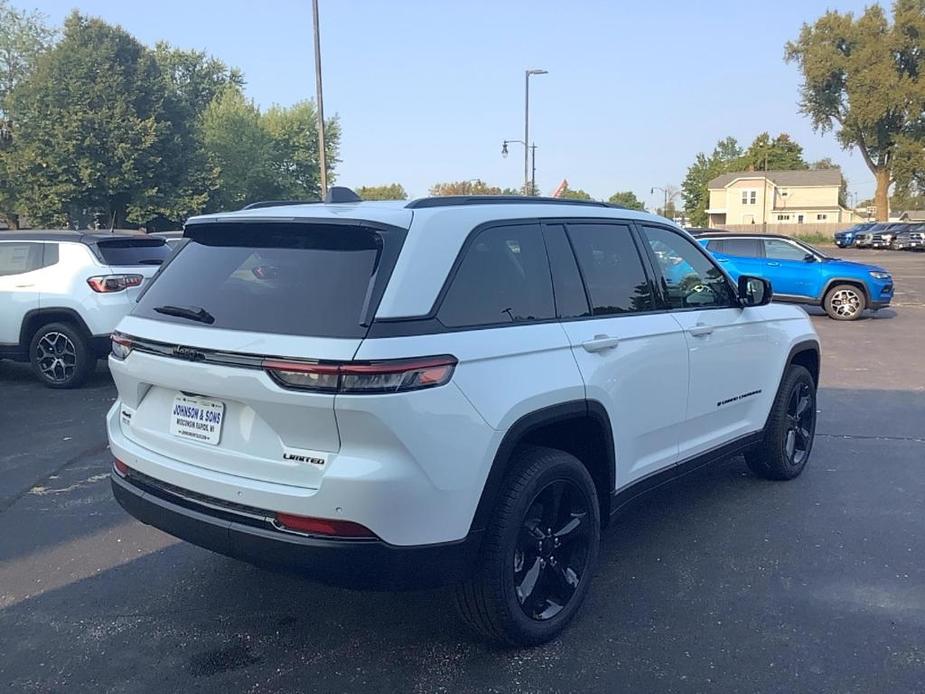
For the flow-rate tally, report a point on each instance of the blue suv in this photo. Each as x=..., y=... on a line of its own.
x=802, y=274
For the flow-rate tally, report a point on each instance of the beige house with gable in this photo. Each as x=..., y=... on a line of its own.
x=777, y=197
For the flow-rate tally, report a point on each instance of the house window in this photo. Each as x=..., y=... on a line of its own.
x=783, y=218
x=749, y=197
x=821, y=217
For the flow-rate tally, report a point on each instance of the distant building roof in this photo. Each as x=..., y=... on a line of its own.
x=913, y=215
x=810, y=177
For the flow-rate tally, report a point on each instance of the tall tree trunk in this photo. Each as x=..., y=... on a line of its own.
x=882, y=196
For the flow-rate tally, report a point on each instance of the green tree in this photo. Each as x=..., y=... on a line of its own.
x=862, y=77
x=570, y=194
x=193, y=80
x=194, y=77
x=694, y=190
x=780, y=154
x=92, y=129
x=238, y=150
x=294, y=162
x=472, y=187
x=627, y=199
x=391, y=191
x=24, y=36
x=824, y=163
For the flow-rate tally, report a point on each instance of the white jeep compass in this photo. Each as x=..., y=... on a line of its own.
x=457, y=390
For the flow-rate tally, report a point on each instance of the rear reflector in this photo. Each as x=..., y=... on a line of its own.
x=392, y=376
x=120, y=467
x=323, y=526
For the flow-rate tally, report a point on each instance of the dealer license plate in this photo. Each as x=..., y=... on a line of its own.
x=197, y=419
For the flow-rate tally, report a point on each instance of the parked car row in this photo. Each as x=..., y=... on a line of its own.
x=897, y=236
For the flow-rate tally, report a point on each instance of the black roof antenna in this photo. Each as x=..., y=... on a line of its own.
x=341, y=194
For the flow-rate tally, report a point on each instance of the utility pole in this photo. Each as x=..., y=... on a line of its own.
x=764, y=199
x=319, y=97
x=527, y=74
x=533, y=169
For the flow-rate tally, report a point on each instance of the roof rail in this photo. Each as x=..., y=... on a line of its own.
x=458, y=200
x=278, y=203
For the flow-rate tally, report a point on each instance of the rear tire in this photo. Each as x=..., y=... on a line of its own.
x=791, y=428
x=60, y=356
x=539, y=551
x=844, y=302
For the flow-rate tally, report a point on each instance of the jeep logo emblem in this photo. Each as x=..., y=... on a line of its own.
x=188, y=353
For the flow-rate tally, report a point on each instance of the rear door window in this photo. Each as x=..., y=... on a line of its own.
x=284, y=278
x=743, y=248
x=612, y=268
x=503, y=278
x=140, y=251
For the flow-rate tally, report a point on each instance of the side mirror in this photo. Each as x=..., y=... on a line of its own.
x=754, y=291
x=809, y=258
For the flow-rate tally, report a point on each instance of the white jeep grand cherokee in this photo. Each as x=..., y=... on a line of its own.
x=457, y=390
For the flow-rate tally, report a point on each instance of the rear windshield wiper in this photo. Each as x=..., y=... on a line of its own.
x=191, y=312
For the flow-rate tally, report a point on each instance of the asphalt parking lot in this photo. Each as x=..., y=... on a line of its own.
x=722, y=583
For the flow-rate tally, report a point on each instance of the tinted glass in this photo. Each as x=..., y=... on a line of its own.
x=689, y=278
x=503, y=278
x=571, y=300
x=783, y=250
x=140, y=251
x=744, y=248
x=294, y=279
x=612, y=268
x=17, y=258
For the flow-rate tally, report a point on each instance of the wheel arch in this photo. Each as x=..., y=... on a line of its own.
x=808, y=355
x=36, y=318
x=579, y=427
x=854, y=281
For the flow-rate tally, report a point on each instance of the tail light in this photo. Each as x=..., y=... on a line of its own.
x=106, y=284
x=121, y=345
x=121, y=468
x=323, y=526
x=392, y=376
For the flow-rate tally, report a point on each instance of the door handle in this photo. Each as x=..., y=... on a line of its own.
x=723, y=260
x=701, y=330
x=773, y=264
x=24, y=286
x=600, y=342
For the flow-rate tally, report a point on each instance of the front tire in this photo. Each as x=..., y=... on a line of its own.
x=539, y=551
x=844, y=302
x=60, y=356
x=791, y=428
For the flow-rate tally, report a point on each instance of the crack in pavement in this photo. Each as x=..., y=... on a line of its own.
x=5, y=504
x=862, y=437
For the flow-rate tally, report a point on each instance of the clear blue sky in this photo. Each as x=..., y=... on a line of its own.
x=427, y=90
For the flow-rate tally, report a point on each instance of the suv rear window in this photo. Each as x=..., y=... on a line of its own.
x=139, y=251
x=285, y=278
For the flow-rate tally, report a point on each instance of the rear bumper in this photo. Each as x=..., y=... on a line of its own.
x=363, y=564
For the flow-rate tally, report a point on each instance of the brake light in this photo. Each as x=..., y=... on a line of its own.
x=392, y=376
x=323, y=526
x=105, y=284
x=120, y=467
x=121, y=345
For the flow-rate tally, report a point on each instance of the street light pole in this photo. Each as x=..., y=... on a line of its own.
x=527, y=74
x=319, y=96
